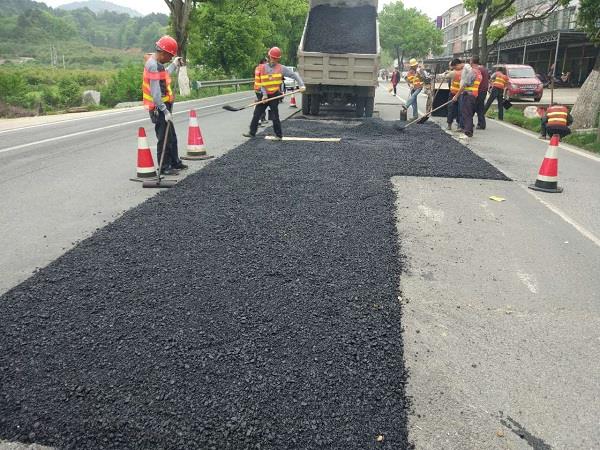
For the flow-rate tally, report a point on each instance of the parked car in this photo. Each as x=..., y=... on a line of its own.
x=523, y=82
x=290, y=83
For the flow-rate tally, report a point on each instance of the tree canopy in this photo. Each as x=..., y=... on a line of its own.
x=409, y=31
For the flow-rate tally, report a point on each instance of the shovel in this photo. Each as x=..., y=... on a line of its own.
x=422, y=119
x=234, y=109
x=160, y=183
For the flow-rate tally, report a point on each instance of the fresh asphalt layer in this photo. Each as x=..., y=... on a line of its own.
x=255, y=305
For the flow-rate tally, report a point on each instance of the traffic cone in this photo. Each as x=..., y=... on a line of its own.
x=547, y=180
x=146, y=170
x=293, y=101
x=195, y=147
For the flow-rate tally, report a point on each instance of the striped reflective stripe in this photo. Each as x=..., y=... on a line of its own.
x=147, y=92
x=500, y=81
x=455, y=87
x=271, y=82
x=414, y=79
x=557, y=116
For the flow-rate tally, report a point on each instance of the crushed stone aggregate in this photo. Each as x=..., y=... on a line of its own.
x=334, y=29
x=252, y=306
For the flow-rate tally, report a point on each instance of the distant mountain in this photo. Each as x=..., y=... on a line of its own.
x=99, y=6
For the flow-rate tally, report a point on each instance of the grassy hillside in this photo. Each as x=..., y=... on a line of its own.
x=98, y=6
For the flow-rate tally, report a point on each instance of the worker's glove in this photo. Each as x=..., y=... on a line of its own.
x=178, y=61
x=302, y=88
x=168, y=115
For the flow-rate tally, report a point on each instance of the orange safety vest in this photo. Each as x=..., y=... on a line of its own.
x=455, y=86
x=500, y=80
x=165, y=87
x=271, y=81
x=414, y=79
x=557, y=117
x=474, y=90
x=257, y=77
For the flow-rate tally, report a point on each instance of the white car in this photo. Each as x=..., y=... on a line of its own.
x=290, y=83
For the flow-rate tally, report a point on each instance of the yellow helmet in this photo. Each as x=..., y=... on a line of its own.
x=413, y=62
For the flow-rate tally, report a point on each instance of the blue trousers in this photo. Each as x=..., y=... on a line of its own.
x=454, y=109
x=412, y=101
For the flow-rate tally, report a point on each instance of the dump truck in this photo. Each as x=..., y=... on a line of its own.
x=338, y=56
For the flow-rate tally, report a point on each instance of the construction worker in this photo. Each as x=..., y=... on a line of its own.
x=271, y=77
x=453, y=76
x=556, y=120
x=483, y=89
x=257, y=90
x=414, y=79
x=470, y=79
x=158, y=100
x=499, y=85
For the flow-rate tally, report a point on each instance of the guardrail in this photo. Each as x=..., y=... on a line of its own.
x=222, y=83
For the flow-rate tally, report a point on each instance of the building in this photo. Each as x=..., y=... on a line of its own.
x=537, y=43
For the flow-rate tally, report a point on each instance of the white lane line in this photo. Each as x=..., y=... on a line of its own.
x=566, y=147
x=581, y=229
x=529, y=281
x=110, y=113
x=81, y=133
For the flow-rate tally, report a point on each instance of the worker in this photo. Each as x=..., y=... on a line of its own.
x=499, y=86
x=158, y=99
x=271, y=76
x=556, y=120
x=453, y=76
x=395, y=80
x=483, y=89
x=257, y=90
x=414, y=78
x=470, y=79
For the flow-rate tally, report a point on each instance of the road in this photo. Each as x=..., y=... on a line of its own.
x=501, y=301
x=62, y=178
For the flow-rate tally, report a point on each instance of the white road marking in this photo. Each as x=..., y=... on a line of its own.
x=109, y=113
x=529, y=281
x=108, y=127
x=588, y=234
x=437, y=215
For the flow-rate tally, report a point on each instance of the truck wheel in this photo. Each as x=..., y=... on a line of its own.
x=360, y=106
x=315, y=104
x=305, y=104
x=369, y=106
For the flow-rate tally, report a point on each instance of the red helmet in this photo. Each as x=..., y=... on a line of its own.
x=275, y=53
x=167, y=44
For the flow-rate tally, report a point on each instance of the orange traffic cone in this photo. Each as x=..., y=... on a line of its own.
x=145, y=164
x=195, y=147
x=547, y=180
x=293, y=101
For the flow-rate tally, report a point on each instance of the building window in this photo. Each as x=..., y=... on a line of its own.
x=471, y=25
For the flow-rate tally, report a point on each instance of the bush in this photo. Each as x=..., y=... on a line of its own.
x=12, y=88
x=124, y=86
x=69, y=92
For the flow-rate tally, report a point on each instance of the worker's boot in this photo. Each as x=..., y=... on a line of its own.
x=248, y=135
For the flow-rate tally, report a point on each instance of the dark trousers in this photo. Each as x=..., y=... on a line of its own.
x=171, y=151
x=263, y=118
x=260, y=109
x=496, y=94
x=469, y=104
x=546, y=130
x=454, y=111
x=395, y=86
x=480, y=109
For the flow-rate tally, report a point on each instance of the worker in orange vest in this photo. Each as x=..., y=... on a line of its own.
x=470, y=79
x=453, y=76
x=257, y=91
x=556, y=120
x=499, y=85
x=271, y=77
x=414, y=79
x=158, y=99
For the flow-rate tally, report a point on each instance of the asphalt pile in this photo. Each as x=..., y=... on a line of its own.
x=334, y=29
x=253, y=306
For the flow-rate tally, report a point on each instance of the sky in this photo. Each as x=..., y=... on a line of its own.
x=432, y=8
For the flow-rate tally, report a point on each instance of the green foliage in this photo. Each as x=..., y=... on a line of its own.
x=124, y=86
x=588, y=19
x=69, y=92
x=516, y=117
x=233, y=36
x=12, y=88
x=408, y=30
x=589, y=141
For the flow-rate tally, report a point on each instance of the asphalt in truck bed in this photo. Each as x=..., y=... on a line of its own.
x=341, y=30
x=255, y=305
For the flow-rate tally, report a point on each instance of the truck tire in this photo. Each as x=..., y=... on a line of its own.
x=369, y=106
x=360, y=106
x=305, y=104
x=315, y=104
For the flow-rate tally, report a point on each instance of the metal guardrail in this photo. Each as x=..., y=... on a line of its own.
x=222, y=83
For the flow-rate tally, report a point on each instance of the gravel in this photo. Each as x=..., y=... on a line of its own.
x=253, y=306
x=342, y=30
